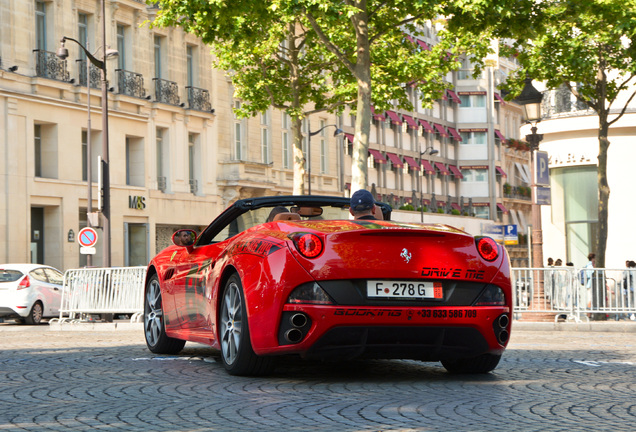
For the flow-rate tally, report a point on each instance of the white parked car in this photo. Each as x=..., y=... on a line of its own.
x=30, y=292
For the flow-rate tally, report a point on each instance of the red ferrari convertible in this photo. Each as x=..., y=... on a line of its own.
x=284, y=275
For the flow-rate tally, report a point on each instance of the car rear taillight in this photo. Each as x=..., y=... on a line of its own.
x=309, y=245
x=487, y=248
x=24, y=283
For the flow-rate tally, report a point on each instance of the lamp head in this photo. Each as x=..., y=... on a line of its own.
x=530, y=100
x=338, y=131
x=111, y=53
x=62, y=51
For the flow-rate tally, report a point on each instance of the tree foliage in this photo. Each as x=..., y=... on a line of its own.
x=361, y=45
x=587, y=45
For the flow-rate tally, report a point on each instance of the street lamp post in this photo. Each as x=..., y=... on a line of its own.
x=62, y=53
x=430, y=151
x=337, y=132
x=530, y=99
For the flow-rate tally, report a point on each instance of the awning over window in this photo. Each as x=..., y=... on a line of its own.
x=522, y=173
x=456, y=136
x=395, y=160
x=349, y=137
x=423, y=45
x=376, y=116
x=426, y=125
x=440, y=129
x=411, y=162
x=410, y=39
x=410, y=121
x=500, y=136
x=456, y=206
x=379, y=157
x=501, y=171
x=456, y=172
x=499, y=99
x=428, y=168
x=442, y=169
x=502, y=208
x=394, y=117
x=515, y=220
x=522, y=221
x=454, y=96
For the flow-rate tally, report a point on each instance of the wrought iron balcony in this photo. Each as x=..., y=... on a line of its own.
x=162, y=183
x=49, y=65
x=194, y=186
x=130, y=83
x=95, y=74
x=562, y=103
x=166, y=92
x=198, y=99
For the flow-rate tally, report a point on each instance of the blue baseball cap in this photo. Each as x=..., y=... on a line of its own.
x=362, y=200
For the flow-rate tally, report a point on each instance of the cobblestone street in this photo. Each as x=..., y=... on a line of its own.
x=108, y=380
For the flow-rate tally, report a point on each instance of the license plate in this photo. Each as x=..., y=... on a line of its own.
x=406, y=290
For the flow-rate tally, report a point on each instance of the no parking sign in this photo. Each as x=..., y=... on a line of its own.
x=87, y=238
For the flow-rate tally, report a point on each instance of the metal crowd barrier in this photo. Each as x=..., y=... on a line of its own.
x=576, y=294
x=102, y=291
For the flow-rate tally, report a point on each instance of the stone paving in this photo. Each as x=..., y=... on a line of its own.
x=108, y=380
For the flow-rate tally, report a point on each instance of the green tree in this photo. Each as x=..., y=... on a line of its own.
x=587, y=45
x=367, y=38
x=272, y=59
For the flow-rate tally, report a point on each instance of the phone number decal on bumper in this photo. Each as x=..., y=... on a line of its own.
x=424, y=313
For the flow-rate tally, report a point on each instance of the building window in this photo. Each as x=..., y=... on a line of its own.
x=475, y=175
x=287, y=150
x=135, y=167
x=162, y=160
x=193, y=165
x=158, y=44
x=265, y=141
x=40, y=25
x=82, y=34
x=190, y=65
x=472, y=101
x=121, y=46
x=239, y=134
x=476, y=138
x=45, y=151
x=136, y=244
x=323, y=148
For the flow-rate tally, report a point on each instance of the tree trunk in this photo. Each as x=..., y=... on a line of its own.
x=603, y=190
x=299, y=159
x=359, y=178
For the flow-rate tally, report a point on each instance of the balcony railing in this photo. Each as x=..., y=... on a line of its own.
x=518, y=192
x=162, y=183
x=562, y=103
x=199, y=99
x=194, y=186
x=48, y=65
x=130, y=83
x=166, y=92
x=95, y=74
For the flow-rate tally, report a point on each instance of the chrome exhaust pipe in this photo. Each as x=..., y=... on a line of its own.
x=298, y=320
x=293, y=336
x=503, y=337
x=504, y=321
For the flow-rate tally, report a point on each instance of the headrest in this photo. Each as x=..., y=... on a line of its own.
x=287, y=216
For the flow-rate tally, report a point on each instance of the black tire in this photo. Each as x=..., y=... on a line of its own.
x=478, y=365
x=35, y=314
x=234, y=335
x=154, y=326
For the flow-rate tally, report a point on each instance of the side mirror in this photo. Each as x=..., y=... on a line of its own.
x=184, y=237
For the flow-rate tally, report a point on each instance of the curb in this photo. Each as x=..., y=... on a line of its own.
x=603, y=326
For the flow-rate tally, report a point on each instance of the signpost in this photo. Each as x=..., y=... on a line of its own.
x=87, y=238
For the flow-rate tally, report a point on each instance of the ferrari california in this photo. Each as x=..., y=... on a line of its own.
x=296, y=275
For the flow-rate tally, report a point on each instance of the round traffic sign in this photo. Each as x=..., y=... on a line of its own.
x=87, y=237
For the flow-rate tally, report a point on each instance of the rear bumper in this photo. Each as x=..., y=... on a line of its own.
x=8, y=312
x=430, y=334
